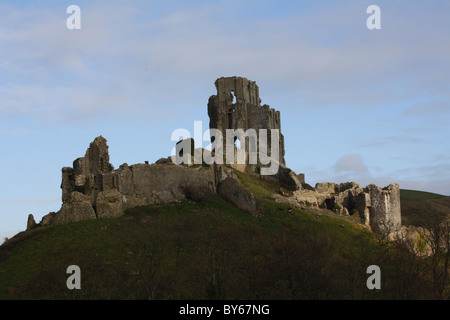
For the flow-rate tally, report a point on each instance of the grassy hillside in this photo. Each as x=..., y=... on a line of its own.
x=419, y=206
x=210, y=250
x=408, y=195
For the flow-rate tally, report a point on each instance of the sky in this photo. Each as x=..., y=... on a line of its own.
x=356, y=104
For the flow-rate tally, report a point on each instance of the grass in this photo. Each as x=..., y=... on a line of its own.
x=408, y=195
x=37, y=260
x=260, y=187
x=418, y=207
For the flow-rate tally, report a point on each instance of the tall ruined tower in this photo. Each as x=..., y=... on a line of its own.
x=86, y=176
x=237, y=106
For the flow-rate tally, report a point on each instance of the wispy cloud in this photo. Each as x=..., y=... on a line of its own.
x=390, y=140
x=351, y=163
x=181, y=48
x=429, y=109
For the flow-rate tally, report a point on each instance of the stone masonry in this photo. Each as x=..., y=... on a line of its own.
x=93, y=189
x=378, y=208
x=237, y=106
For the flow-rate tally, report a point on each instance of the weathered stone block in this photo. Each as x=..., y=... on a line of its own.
x=362, y=206
x=78, y=208
x=47, y=219
x=109, y=204
x=232, y=191
x=288, y=179
x=325, y=187
x=31, y=223
x=67, y=183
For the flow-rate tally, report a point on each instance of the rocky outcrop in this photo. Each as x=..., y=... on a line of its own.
x=232, y=191
x=288, y=179
x=47, y=219
x=31, y=223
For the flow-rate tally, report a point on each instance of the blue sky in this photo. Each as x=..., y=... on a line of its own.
x=371, y=106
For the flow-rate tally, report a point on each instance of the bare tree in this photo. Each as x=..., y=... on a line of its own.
x=436, y=233
x=149, y=258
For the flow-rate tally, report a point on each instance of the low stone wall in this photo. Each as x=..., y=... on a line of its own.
x=378, y=208
x=144, y=184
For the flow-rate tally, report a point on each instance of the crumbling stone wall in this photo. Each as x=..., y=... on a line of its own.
x=385, y=211
x=76, y=208
x=92, y=188
x=86, y=176
x=378, y=208
x=144, y=184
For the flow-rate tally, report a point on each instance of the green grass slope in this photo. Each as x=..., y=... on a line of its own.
x=418, y=207
x=210, y=250
x=409, y=195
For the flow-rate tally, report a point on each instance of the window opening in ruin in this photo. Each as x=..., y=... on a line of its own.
x=233, y=97
x=230, y=117
x=237, y=143
x=213, y=150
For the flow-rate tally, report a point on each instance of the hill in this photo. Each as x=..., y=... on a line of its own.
x=419, y=206
x=209, y=249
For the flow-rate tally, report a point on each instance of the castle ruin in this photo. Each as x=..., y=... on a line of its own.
x=237, y=106
x=93, y=189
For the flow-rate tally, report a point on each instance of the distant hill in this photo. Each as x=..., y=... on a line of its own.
x=407, y=195
x=417, y=206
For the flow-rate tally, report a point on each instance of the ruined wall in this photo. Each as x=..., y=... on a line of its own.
x=385, y=211
x=379, y=209
x=87, y=172
x=237, y=106
x=93, y=189
x=144, y=184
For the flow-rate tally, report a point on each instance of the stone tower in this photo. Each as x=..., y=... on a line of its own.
x=237, y=106
x=86, y=176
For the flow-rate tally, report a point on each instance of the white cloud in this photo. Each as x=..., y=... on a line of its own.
x=163, y=59
x=351, y=163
